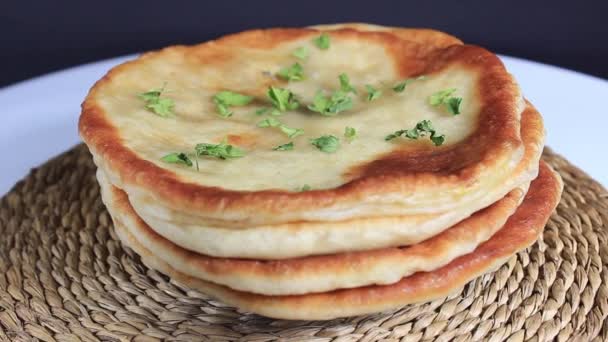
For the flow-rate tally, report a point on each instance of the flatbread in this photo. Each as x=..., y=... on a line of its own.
x=317, y=273
x=520, y=231
x=297, y=239
x=366, y=177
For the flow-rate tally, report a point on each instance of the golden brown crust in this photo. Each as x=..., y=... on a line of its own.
x=460, y=237
x=496, y=138
x=418, y=35
x=520, y=231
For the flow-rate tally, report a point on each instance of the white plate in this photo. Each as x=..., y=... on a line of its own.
x=40, y=115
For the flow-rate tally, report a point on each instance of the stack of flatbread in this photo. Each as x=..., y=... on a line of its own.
x=314, y=173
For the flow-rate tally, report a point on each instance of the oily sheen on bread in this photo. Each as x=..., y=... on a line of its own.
x=296, y=239
x=520, y=231
x=367, y=177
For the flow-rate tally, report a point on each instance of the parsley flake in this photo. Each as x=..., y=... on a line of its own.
x=330, y=106
x=269, y=122
x=291, y=132
x=345, y=85
x=445, y=97
x=226, y=99
x=338, y=101
x=273, y=122
x=282, y=99
x=161, y=106
x=305, y=187
x=284, y=147
x=326, y=143
x=422, y=128
x=350, y=133
x=177, y=158
x=301, y=53
x=262, y=111
x=221, y=150
x=453, y=105
x=322, y=41
x=295, y=72
x=400, y=87
x=372, y=93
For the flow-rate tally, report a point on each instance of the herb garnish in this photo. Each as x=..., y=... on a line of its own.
x=445, y=97
x=295, y=72
x=273, y=122
x=161, y=106
x=226, y=99
x=399, y=87
x=262, y=111
x=330, y=106
x=221, y=150
x=326, y=143
x=372, y=93
x=350, y=133
x=301, y=53
x=322, y=41
x=177, y=158
x=305, y=187
x=284, y=147
x=282, y=100
x=345, y=85
x=422, y=128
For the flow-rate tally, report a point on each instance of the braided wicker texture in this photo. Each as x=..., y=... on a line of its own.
x=65, y=277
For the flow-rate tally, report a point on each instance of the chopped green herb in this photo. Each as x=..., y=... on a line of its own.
x=262, y=111
x=399, y=87
x=177, y=158
x=331, y=106
x=422, y=128
x=151, y=95
x=338, y=101
x=273, y=122
x=350, y=133
x=223, y=110
x=295, y=72
x=322, y=41
x=284, y=147
x=441, y=96
x=225, y=99
x=301, y=53
x=345, y=85
x=453, y=105
x=282, y=99
x=326, y=143
x=291, y=132
x=445, y=97
x=372, y=93
x=221, y=150
x=269, y=122
x=156, y=104
x=305, y=187
x=231, y=98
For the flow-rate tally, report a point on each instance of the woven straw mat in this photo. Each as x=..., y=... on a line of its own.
x=64, y=276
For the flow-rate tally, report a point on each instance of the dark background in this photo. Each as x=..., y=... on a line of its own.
x=37, y=37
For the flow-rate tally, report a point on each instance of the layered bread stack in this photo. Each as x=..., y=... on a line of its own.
x=314, y=173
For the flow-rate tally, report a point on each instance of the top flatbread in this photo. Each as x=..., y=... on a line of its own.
x=366, y=177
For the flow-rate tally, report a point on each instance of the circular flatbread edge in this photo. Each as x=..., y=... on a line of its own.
x=520, y=231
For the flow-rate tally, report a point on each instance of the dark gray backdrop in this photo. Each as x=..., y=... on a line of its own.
x=46, y=35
